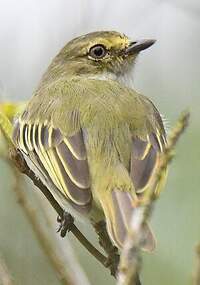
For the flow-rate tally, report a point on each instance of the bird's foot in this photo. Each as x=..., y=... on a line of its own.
x=66, y=222
x=113, y=261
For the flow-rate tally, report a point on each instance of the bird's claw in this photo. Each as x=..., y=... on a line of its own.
x=66, y=222
x=113, y=261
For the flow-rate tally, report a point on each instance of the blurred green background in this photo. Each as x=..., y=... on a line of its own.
x=31, y=33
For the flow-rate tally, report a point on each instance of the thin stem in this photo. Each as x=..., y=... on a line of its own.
x=99, y=256
x=45, y=242
x=130, y=262
x=105, y=242
x=19, y=161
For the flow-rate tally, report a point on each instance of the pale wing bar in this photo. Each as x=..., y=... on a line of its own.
x=144, y=158
x=62, y=159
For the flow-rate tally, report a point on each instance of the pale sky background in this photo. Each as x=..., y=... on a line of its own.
x=33, y=31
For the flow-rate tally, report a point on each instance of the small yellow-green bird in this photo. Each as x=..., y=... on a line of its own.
x=91, y=138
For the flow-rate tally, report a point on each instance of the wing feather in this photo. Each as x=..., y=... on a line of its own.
x=76, y=169
x=144, y=158
x=76, y=145
x=118, y=208
x=59, y=158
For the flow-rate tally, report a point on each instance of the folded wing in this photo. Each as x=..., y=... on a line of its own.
x=119, y=204
x=61, y=159
x=144, y=158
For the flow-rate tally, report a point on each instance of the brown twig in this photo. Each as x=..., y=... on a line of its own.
x=47, y=246
x=22, y=166
x=19, y=161
x=60, y=260
x=130, y=262
x=5, y=277
x=108, y=247
x=64, y=248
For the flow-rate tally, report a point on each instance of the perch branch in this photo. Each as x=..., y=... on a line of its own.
x=47, y=246
x=19, y=161
x=109, y=248
x=130, y=262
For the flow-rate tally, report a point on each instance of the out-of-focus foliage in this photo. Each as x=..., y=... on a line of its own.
x=11, y=109
x=8, y=111
x=31, y=34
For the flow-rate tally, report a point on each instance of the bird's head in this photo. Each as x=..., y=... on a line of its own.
x=100, y=54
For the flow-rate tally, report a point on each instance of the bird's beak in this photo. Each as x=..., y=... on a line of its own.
x=138, y=46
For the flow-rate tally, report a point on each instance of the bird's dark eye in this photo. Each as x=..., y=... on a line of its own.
x=97, y=51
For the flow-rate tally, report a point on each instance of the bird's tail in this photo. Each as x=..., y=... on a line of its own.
x=118, y=209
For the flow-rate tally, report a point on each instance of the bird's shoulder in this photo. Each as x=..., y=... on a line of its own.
x=68, y=104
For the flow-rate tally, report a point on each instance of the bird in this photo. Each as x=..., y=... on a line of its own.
x=91, y=138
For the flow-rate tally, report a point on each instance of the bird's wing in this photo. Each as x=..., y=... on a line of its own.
x=146, y=149
x=147, y=143
x=61, y=159
x=119, y=209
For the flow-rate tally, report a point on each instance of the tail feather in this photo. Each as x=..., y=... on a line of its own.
x=118, y=209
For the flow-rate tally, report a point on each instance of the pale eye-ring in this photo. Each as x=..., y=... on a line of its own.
x=97, y=51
